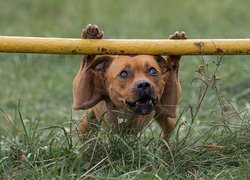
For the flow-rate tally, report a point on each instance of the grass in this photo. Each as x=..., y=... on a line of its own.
x=37, y=132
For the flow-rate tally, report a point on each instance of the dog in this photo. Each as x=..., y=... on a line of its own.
x=126, y=89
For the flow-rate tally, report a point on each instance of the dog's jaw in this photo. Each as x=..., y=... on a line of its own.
x=143, y=105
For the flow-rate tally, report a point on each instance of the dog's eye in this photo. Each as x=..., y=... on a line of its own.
x=124, y=74
x=153, y=72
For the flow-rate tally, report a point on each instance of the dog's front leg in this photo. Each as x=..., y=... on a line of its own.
x=84, y=91
x=172, y=89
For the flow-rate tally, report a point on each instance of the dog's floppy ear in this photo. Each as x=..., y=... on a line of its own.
x=99, y=67
x=100, y=64
x=172, y=88
x=89, y=84
x=163, y=63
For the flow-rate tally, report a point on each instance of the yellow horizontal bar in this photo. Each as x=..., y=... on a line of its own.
x=124, y=46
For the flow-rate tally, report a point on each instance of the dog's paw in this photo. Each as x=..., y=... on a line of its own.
x=178, y=35
x=92, y=31
x=173, y=61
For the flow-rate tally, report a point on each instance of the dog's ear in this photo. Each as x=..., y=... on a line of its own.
x=171, y=94
x=163, y=63
x=89, y=86
x=99, y=67
x=100, y=64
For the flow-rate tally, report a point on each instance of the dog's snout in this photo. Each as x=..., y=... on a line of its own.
x=143, y=88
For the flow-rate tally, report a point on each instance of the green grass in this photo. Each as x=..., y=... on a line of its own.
x=37, y=132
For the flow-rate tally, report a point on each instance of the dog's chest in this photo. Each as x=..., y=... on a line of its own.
x=117, y=117
x=132, y=121
x=123, y=117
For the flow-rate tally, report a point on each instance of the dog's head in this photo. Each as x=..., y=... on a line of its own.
x=136, y=82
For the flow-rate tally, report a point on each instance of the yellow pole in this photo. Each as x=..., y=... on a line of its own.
x=124, y=46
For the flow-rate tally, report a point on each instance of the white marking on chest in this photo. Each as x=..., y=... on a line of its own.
x=122, y=120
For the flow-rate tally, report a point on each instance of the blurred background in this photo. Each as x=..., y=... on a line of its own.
x=43, y=83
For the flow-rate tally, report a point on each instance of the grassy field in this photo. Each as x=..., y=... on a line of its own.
x=37, y=131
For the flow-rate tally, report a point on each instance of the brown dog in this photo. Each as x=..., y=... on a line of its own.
x=133, y=89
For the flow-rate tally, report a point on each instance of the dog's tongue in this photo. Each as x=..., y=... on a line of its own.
x=143, y=108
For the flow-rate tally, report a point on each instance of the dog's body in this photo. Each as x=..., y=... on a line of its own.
x=126, y=89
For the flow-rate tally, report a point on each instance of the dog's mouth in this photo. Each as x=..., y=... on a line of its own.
x=142, y=106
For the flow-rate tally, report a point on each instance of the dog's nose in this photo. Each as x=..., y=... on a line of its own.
x=142, y=85
x=143, y=88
